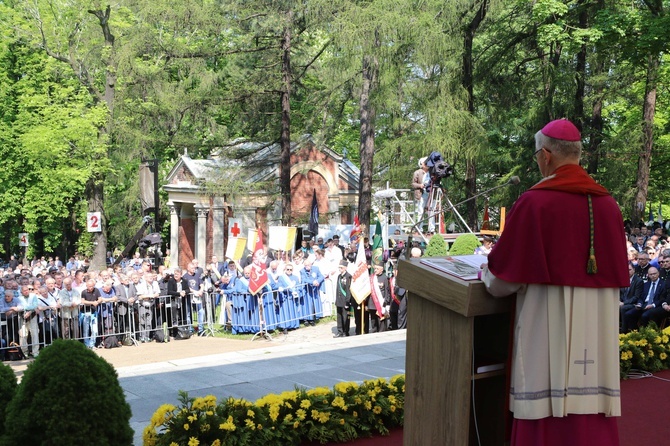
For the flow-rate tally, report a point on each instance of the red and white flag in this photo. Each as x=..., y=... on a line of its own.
x=360, y=282
x=259, y=275
x=355, y=232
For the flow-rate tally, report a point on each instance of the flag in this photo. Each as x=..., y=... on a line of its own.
x=252, y=238
x=377, y=246
x=259, y=275
x=360, y=281
x=235, y=248
x=485, y=220
x=314, y=216
x=651, y=216
x=659, y=218
x=355, y=233
x=384, y=231
x=282, y=238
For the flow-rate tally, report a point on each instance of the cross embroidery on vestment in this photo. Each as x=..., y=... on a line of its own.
x=585, y=361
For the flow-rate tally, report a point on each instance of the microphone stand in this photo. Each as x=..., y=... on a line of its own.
x=509, y=183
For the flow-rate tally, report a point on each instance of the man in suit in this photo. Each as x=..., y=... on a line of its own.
x=629, y=296
x=660, y=308
x=639, y=243
x=642, y=268
x=663, y=264
x=178, y=290
x=216, y=269
x=652, y=296
x=343, y=299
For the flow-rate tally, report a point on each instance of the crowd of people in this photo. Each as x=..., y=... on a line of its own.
x=133, y=302
x=647, y=299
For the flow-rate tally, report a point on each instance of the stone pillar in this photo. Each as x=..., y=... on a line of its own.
x=201, y=235
x=334, y=210
x=174, y=234
x=218, y=231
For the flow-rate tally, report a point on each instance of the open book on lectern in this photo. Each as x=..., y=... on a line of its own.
x=465, y=267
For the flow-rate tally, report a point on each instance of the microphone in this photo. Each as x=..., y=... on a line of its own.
x=385, y=193
x=511, y=182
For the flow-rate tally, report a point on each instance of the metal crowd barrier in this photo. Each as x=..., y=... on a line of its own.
x=163, y=317
x=281, y=309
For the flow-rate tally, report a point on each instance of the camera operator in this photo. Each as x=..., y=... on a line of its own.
x=420, y=192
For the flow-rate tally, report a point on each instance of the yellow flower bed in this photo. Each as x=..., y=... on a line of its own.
x=644, y=349
x=347, y=411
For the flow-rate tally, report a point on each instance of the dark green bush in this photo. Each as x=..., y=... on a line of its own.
x=464, y=244
x=436, y=247
x=7, y=390
x=68, y=396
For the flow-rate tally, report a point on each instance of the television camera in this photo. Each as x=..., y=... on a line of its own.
x=438, y=168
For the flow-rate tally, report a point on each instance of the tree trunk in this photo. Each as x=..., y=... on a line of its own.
x=367, y=147
x=644, y=162
x=95, y=196
x=95, y=186
x=285, y=139
x=580, y=76
x=596, y=122
x=467, y=82
x=596, y=133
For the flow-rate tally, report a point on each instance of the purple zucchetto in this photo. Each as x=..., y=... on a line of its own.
x=562, y=129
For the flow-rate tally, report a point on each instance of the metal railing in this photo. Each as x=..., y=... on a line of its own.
x=115, y=323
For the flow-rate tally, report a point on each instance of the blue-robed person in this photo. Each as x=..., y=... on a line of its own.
x=310, y=304
x=245, y=305
x=289, y=290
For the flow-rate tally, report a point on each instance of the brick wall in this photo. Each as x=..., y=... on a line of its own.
x=186, y=241
x=302, y=187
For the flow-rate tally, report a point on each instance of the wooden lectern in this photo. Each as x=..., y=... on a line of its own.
x=454, y=326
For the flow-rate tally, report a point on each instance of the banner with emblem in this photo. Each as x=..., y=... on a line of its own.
x=282, y=238
x=259, y=275
x=356, y=231
x=360, y=282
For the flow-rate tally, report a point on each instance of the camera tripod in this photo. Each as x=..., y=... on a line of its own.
x=434, y=209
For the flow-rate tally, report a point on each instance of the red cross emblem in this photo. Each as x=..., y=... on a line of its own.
x=235, y=230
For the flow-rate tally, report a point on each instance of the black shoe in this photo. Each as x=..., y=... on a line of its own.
x=339, y=335
x=346, y=334
x=312, y=323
